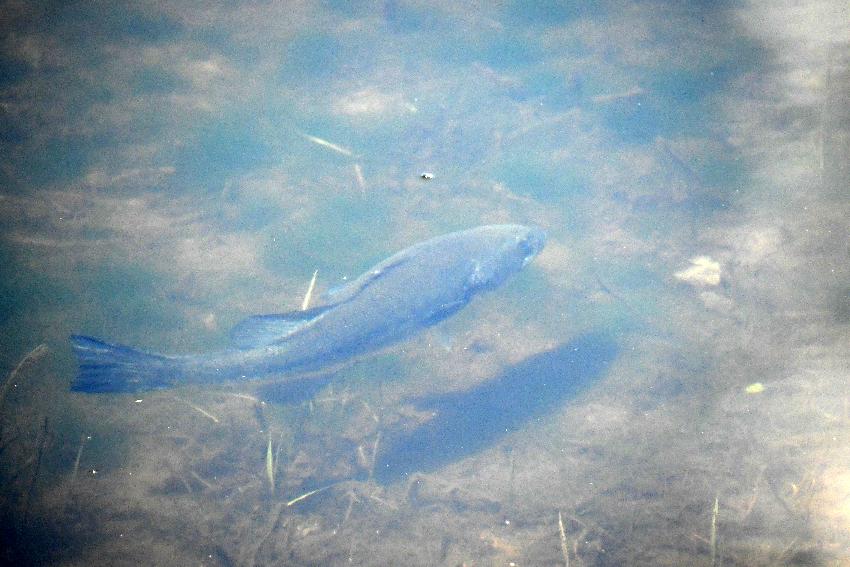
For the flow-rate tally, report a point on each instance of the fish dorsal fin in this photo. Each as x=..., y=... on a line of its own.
x=263, y=330
x=346, y=292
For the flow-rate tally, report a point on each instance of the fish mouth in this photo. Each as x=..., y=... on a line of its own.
x=532, y=244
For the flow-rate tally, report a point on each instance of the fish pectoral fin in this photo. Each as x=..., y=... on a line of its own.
x=263, y=330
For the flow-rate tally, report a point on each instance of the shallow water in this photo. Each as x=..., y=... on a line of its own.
x=666, y=384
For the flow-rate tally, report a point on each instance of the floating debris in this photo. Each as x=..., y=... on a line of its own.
x=309, y=295
x=426, y=175
x=329, y=145
x=755, y=388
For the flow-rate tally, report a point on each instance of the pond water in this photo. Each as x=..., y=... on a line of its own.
x=666, y=383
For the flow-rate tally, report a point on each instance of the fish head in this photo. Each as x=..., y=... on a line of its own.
x=507, y=249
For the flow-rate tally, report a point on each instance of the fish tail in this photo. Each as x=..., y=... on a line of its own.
x=107, y=367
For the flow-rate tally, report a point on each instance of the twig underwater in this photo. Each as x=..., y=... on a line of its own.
x=31, y=357
x=41, y=443
x=198, y=409
x=565, y=550
x=202, y=480
x=374, y=455
x=329, y=145
x=273, y=520
x=352, y=498
x=361, y=181
x=75, y=469
x=307, y=495
x=309, y=295
x=270, y=464
x=83, y=439
x=277, y=453
x=241, y=396
x=713, y=538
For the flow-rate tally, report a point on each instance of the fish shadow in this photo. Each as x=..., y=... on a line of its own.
x=465, y=423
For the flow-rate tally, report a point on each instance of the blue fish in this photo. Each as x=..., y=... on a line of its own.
x=409, y=291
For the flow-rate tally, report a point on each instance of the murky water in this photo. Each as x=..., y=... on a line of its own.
x=666, y=384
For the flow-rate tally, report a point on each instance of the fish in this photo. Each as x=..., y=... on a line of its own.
x=404, y=294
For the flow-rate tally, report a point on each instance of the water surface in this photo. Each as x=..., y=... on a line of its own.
x=669, y=377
